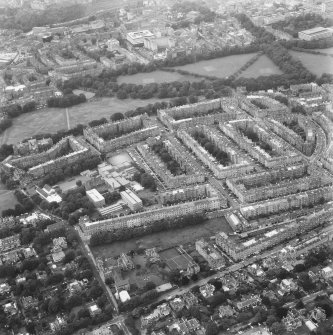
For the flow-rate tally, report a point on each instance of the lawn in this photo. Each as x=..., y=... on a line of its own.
x=219, y=67
x=7, y=198
x=325, y=51
x=50, y=120
x=164, y=239
x=155, y=77
x=317, y=64
x=70, y=183
x=262, y=67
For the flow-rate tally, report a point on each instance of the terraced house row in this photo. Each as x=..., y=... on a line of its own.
x=211, y=202
x=114, y=135
x=277, y=183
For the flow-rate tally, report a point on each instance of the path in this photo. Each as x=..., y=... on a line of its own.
x=67, y=118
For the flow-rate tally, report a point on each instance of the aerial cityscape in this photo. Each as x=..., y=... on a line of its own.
x=166, y=167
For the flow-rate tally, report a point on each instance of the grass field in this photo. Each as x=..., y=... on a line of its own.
x=325, y=51
x=219, y=67
x=50, y=120
x=155, y=77
x=317, y=64
x=262, y=67
x=164, y=239
x=7, y=198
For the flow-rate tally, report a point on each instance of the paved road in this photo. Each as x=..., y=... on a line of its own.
x=96, y=271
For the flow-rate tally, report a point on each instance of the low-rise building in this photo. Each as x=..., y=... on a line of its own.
x=210, y=254
x=96, y=198
x=313, y=34
x=207, y=290
x=249, y=301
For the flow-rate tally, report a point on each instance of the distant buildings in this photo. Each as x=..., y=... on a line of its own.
x=136, y=38
x=315, y=34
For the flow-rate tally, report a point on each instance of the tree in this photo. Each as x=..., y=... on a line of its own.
x=54, y=306
x=117, y=117
x=211, y=328
x=278, y=328
x=69, y=256
x=150, y=285
x=73, y=301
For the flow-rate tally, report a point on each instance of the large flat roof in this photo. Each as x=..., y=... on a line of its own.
x=313, y=31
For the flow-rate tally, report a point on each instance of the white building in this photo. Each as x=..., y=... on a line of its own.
x=136, y=38
x=131, y=199
x=96, y=198
x=315, y=34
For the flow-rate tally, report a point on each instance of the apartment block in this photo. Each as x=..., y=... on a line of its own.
x=66, y=152
x=192, y=172
x=213, y=257
x=205, y=112
x=240, y=249
x=114, y=135
x=277, y=152
x=132, y=200
x=149, y=217
x=277, y=183
x=96, y=198
x=239, y=163
x=298, y=200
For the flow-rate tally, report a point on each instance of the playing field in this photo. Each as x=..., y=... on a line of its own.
x=7, y=198
x=50, y=120
x=219, y=67
x=262, y=67
x=317, y=64
x=155, y=77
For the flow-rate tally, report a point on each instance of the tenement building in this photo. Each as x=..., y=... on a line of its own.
x=66, y=152
x=263, y=106
x=286, y=203
x=240, y=249
x=232, y=161
x=187, y=171
x=278, y=182
x=205, y=112
x=298, y=131
x=147, y=218
x=114, y=135
x=269, y=149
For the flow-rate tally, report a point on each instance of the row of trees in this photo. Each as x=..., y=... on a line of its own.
x=72, y=201
x=110, y=236
x=70, y=170
x=14, y=111
x=145, y=179
x=170, y=162
x=25, y=19
x=294, y=71
x=220, y=155
x=67, y=100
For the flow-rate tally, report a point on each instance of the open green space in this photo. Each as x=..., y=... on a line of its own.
x=219, y=67
x=7, y=198
x=262, y=67
x=325, y=51
x=155, y=77
x=50, y=120
x=164, y=239
x=317, y=64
